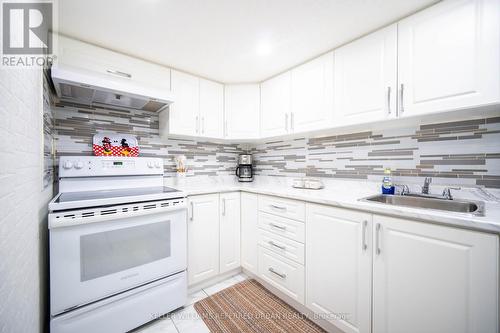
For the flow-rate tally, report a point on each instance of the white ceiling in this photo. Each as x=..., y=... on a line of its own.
x=228, y=40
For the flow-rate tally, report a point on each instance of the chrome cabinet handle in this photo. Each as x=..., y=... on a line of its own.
x=192, y=211
x=276, y=245
x=277, y=226
x=203, y=125
x=377, y=239
x=286, y=122
x=278, y=207
x=283, y=276
x=389, y=100
x=118, y=73
x=292, y=121
x=401, y=96
x=225, y=127
x=197, y=124
x=364, y=245
x=224, y=206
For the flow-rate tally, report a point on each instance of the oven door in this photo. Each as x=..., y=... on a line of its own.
x=91, y=261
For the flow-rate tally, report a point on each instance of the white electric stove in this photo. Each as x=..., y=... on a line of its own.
x=117, y=245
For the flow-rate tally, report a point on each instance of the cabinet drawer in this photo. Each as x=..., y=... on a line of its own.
x=286, y=247
x=281, y=273
x=291, y=209
x=282, y=226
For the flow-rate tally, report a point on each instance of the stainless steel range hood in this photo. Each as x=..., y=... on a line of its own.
x=77, y=85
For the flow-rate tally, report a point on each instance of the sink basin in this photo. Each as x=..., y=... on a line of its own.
x=457, y=206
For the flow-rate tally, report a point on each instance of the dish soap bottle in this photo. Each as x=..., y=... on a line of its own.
x=387, y=187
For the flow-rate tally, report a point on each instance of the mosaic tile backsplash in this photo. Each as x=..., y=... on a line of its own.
x=76, y=125
x=461, y=152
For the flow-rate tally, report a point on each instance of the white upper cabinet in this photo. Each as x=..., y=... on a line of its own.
x=365, y=78
x=92, y=58
x=312, y=95
x=449, y=57
x=429, y=278
x=198, y=108
x=275, y=105
x=183, y=115
x=242, y=111
x=211, y=109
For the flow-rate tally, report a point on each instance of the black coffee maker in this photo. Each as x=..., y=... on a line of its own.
x=244, y=170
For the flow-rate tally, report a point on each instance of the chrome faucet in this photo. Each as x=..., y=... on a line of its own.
x=447, y=192
x=427, y=182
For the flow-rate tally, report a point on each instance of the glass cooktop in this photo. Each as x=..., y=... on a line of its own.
x=118, y=193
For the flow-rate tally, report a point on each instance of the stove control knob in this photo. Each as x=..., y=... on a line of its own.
x=150, y=164
x=79, y=165
x=67, y=165
x=157, y=165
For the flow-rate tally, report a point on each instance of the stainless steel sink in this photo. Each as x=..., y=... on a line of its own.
x=458, y=206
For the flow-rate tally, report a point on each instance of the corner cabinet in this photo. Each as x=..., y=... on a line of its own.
x=365, y=78
x=339, y=266
x=203, y=237
x=430, y=278
x=242, y=111
x=229, y=231
x=449, y=57
x=312, y=95
x=249, y=231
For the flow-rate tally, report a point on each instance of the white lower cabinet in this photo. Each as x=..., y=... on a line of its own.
x=203, y=237
x=229, y=231
x=283, y=274
x=429, y=278
x=249, y=231
x=339, y=266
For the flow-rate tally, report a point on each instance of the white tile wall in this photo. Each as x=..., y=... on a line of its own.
x=23, y=204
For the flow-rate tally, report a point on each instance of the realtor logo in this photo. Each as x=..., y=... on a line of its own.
x=27, y=28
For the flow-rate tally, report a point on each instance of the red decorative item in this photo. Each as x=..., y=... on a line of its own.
x=115, y=145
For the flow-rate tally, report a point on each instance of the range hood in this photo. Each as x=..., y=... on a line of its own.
x=80, y=86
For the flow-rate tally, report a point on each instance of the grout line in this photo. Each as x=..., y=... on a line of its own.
x=175, y=326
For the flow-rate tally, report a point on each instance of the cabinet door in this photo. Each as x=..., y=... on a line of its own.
x=339, y=266
x=449, y=57
x=275, y=105
x=203, y=237
x=229, y=231
x=365, y=78
x=249, y=234
x=429, y=278
x=312, y=95
x=211, y=109
x=184, y=112
x=242, y=111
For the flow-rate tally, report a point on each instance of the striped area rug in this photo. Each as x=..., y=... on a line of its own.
x=249, y=307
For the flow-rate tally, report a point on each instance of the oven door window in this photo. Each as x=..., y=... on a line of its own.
x=114, y=251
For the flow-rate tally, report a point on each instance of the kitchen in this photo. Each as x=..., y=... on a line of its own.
x=250, y=166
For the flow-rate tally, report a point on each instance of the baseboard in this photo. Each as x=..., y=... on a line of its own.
x=216, y=279
x=327, y=326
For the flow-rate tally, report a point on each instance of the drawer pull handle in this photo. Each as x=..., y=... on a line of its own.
x=283, y=276
x=276, y=245
x=277, y=226
x=278, y=207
